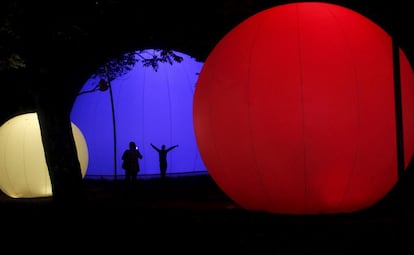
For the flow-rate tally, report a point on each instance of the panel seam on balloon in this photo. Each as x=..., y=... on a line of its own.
x=210, y=129
x=27, y=183
x=96, y=113
x=302, y=100
x=192, y=90
x=357, y=100
x=143, y=117
x=116, y=96
x=170, y=111
x=186, y=72
x=263, y=185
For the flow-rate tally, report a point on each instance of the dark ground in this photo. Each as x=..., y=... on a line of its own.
x=190, y=214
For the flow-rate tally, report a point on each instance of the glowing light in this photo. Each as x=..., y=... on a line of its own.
x=294, y=111
x=150, y=107
x=23, y=168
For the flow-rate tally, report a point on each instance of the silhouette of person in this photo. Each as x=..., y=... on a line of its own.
x=162, y=154
x=131, y=157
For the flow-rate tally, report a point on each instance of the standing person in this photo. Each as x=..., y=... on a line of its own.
x=130, y=163
x=162, y=153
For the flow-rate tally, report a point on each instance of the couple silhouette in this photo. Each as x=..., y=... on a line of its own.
x=131, y=158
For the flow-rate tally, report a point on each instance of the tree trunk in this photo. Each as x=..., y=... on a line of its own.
x=60, y=149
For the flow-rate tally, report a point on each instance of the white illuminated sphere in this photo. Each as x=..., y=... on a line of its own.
x=23, y=169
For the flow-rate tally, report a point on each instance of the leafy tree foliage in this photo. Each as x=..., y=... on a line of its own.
x=10, y=36
x=149, y=58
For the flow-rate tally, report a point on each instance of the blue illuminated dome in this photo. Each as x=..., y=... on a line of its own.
x=150, y=107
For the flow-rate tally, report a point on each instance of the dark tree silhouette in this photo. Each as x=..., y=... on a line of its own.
x=47, y=48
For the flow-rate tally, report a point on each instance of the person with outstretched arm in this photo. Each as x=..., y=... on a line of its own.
x=162, y=153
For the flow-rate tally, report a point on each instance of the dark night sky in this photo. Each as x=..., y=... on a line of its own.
x=199, y=25
x=191, y=27
x=195, y=26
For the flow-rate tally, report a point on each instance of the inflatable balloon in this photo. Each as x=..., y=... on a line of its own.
x=23, y=169
x=150, y=107
x=294, y=111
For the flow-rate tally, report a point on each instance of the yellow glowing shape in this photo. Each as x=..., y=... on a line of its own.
x=23, y=168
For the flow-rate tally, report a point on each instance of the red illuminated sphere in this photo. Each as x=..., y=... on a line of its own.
x=294, y=111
